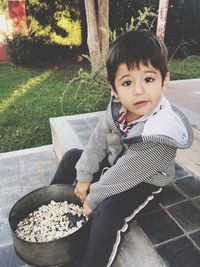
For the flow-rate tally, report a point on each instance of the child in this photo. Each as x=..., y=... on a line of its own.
x=136, y=140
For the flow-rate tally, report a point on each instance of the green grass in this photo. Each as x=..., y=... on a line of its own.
x=29, y=97
x=187, y=68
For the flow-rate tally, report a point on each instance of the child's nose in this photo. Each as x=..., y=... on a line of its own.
x=138, y=88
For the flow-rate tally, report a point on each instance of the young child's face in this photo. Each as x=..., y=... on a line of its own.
x=139, y=89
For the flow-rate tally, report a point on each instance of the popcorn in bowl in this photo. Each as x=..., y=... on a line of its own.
x=51, y=222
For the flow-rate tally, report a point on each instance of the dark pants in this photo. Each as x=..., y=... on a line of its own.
x=110, y=218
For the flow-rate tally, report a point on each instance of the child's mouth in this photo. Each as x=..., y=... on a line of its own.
x=141, y=103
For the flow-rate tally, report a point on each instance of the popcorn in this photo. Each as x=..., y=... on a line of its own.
x=50, y=222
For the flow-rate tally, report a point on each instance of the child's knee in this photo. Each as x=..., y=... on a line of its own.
x=70, y=156
x=107, y=217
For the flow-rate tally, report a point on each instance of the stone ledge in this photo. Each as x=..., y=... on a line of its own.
x=63, y=135
x=26, y=152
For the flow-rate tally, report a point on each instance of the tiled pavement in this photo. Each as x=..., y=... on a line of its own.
x=20, y=173
x=173, y=223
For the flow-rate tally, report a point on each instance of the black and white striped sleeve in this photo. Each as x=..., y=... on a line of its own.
x=94, y=152
x=137, y=165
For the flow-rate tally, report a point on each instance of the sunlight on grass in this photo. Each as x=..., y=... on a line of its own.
x=23, y=89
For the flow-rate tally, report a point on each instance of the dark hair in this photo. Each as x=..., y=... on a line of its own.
x=135, y=47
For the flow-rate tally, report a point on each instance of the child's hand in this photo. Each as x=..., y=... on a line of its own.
x=86, y=210
x=81, y=190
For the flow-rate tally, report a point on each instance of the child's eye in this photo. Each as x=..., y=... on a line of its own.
x=149, y=79
x=126, y=83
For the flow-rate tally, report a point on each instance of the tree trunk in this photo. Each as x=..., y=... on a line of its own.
x=103, y=18
x=93, y=36
x=97, y=27
x=162, y=19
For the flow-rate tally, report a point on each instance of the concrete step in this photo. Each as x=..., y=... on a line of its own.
x=72, y=131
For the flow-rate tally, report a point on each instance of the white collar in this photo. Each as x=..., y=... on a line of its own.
x=162, y=103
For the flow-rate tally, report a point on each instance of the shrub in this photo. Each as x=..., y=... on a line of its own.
x=24, y=51
x=20, y=49
x=54, y=33
x=55, y=22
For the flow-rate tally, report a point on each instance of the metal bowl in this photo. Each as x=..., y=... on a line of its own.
x=56, y=252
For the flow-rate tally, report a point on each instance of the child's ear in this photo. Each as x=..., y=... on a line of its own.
x=166, y=81
x=113, y=91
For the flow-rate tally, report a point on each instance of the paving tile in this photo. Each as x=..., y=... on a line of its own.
x=5, y=234
x=169, y=196
x=152, y=206
x=196, y=238
x=190, y=186
x=180, y=171
x=38, y=154
x=187, y=215
x=36, y=162
x=29, y=165
x=93, y=125
x=83, y=130
x=49, y=165
x=84, y=137
x=9, y=198
x=9, y=168
x=80, y=128
x=4, y=214
x=78, y=122
x=9, y=258
x=84, y=125
x=93, y=120
x=46, y=155
x=48, y=176
x=31, y=179
x=48, y=169
x=197, y=201
x=180, y=253
x=10, y=183
x=159, y=227
x=29, y=188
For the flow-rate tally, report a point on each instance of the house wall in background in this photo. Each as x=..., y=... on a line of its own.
x=12, y=23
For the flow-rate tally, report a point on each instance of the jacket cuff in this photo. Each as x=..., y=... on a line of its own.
x=90, y=202
x=83, y=177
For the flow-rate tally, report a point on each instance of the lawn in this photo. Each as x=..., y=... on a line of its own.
x=29, y=97
x=187, y=68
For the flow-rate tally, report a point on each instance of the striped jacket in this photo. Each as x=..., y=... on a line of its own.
x=145, y=154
